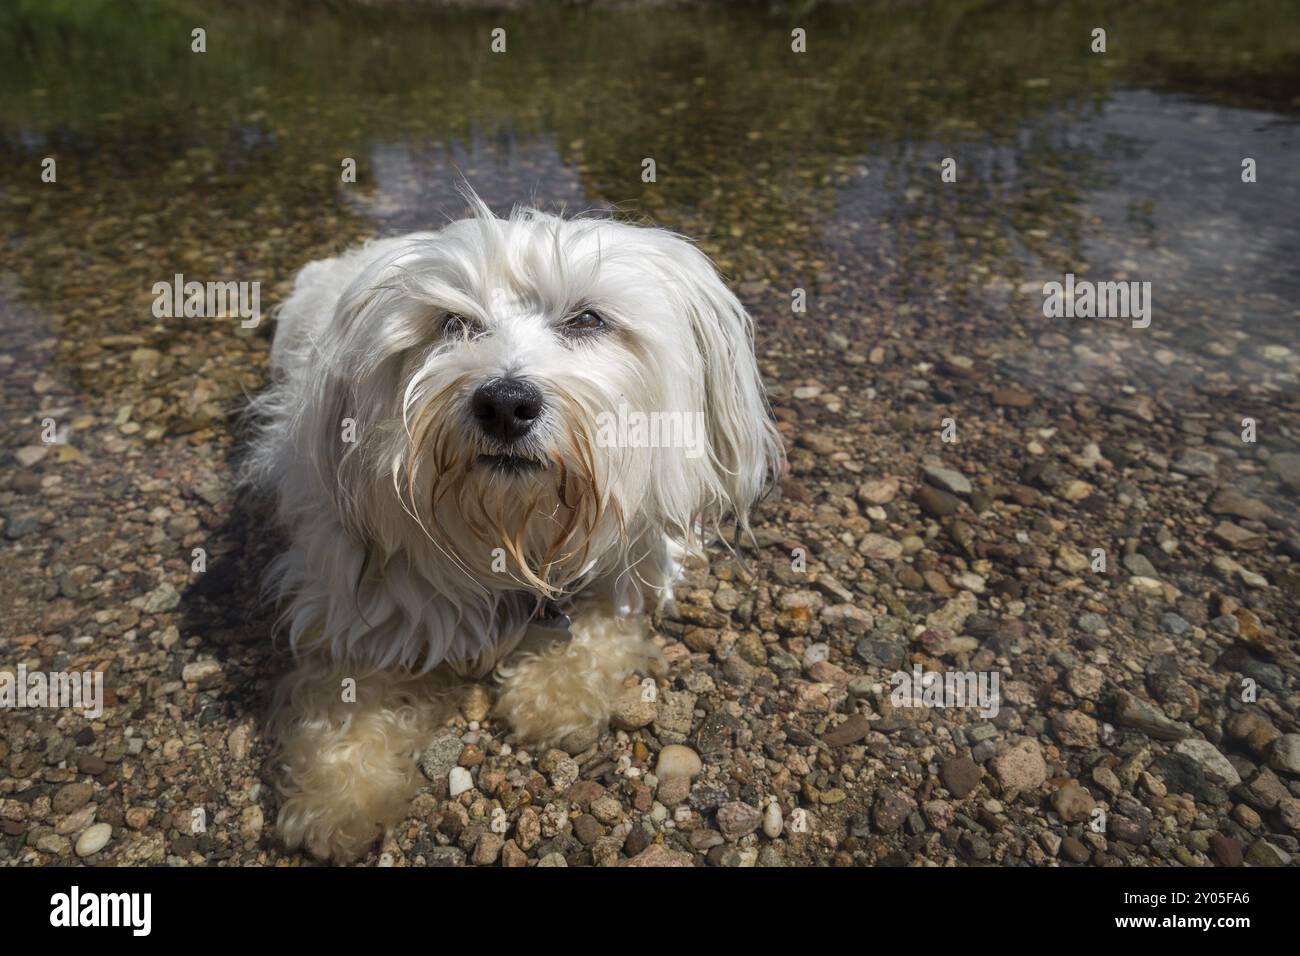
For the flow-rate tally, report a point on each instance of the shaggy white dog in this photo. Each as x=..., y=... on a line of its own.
x=446, y=437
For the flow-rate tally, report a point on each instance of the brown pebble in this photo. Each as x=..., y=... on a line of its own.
x=960, y=775
x=849, y=732
x=91, y=764
x=1225, y=850
x=1074, y=850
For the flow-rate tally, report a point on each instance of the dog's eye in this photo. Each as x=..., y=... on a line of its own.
x=454, y=324
x=584, y=322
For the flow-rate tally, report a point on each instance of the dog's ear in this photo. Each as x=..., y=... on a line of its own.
x=744, y=448
x=349, y=400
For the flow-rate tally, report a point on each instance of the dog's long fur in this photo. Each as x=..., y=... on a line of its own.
x=408, y=555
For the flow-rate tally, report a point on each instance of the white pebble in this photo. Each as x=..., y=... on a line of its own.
x=816, y=653
x=773, y=823
x=676, y=760
x=459, y=781
x=93, y=839
x=1252, y=580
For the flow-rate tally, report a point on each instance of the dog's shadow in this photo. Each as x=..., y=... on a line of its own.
x=224, y=605
x=226, y=608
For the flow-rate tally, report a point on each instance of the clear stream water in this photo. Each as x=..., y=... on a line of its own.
x=818, y=170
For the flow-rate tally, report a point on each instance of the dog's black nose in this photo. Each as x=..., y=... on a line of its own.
x=506, y=408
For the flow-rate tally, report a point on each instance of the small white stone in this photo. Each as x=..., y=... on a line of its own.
x=1216, y=766
x=93, y=839
x=459, y=781
x=203, y=673
x=677, y=760
x=77, y=821
x=947, y=479
x=816, y=653
x=773, y=823
x=1252, y=580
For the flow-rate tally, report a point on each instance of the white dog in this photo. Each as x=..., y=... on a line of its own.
x=437, y=439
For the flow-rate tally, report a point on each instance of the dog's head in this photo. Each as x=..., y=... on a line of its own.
x=534, y=394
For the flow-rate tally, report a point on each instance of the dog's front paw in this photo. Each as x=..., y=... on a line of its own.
x=566, y=692
x=333, y=828
x=347, y=767
x=344, y=787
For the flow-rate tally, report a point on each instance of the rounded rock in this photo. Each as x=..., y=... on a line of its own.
x=93, y=839
x=632, y=710
x=678, y=760
x=773, y=821
x=1286, y=754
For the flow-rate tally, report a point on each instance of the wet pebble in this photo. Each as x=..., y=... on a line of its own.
x=94, y=839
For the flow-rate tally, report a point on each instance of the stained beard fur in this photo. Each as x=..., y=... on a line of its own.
x=548, y=533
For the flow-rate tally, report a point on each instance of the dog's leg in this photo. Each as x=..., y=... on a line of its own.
x=347, y=753
x=568, y=688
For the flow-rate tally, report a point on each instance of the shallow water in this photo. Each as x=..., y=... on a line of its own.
x=816, y=171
